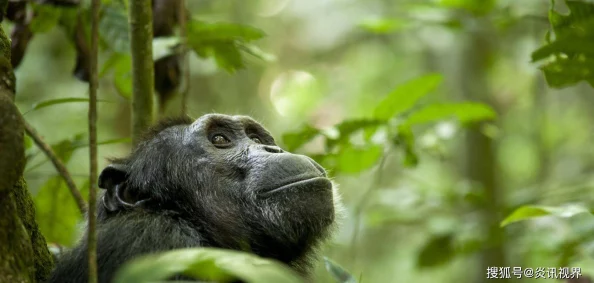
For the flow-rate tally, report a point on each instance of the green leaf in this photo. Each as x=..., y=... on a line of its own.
x=348, y=127
x=206, y=264
x=338, y=272
x=465, y=112
x=294, y=140
x=571, y=60
x=56, y=101
x=437, y=251
x=356, y=159
x=56, y=212
x=113, y=27
x=406, y=96
x=533, y=211
x=564, y=72
x=383, y=26
x=223, y=41
x=122, y=75
x=257, y=52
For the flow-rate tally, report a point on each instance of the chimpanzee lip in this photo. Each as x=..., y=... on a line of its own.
x=296, y=182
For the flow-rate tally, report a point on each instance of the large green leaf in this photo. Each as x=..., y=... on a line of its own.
x=465, y=112
x=57, y=212
x=571, y=55
x=406, y=96
x=223, y=41
x=120, y=65
x=533, y=211
x=338, y=272
x=206, y=264
x=352, y=159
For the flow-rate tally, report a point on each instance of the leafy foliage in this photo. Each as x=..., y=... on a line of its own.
x=207, y=264
x=394, y=115
x=534, y=211
x=113, y=27
x=223, y=41
x=56, y=211
x=571, y=51
x=405, y=96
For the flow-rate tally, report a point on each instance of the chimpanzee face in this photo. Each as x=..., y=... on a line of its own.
x=226, y=175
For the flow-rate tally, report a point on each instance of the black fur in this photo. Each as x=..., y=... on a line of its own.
x=177, y=189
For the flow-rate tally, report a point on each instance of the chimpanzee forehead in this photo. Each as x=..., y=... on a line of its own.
x=233, y=122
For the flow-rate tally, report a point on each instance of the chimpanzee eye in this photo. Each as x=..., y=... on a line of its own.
x=256, y=140
x=219, y=140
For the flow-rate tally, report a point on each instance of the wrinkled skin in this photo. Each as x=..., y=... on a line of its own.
x=219, y=181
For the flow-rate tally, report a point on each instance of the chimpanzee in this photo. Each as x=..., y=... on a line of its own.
x=219, y=181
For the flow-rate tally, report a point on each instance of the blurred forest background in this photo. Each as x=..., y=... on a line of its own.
x=433, y=116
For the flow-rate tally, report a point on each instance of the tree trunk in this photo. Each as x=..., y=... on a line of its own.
x=480, y=149
x=24, y=256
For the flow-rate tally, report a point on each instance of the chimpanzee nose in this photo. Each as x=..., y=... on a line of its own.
x=272, y=149
x=318, y=166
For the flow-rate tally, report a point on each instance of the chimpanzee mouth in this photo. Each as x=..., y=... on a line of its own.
x=310, y=181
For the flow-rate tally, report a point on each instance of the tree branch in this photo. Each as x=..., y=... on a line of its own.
x=141, y=37
x=60, y=167
x=93, y=83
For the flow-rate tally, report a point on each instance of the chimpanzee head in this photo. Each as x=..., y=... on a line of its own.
x=225, y=176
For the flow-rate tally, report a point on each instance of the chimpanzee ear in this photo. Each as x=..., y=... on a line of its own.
x=118, y=194
x=113, y=175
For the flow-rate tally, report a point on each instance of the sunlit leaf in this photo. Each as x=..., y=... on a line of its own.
x=56, y=101
x=406, y=96
x=383, y=26
x=206, y=264
x=338, y=272
x=533, y=211
x=352, y=159
x=296, y=139
x=571, y=59
x=465, y=112
x=437, y=251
